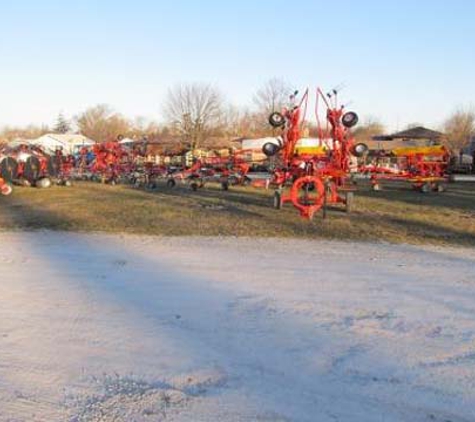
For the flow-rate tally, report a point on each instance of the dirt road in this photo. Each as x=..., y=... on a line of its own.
x=123, y=328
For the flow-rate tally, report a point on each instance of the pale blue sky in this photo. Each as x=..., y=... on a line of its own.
x=402, y=61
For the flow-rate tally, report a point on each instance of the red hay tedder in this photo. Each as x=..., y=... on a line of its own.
x=312, y=178
x=28, y=165
x=420, y=160
x=228, y=170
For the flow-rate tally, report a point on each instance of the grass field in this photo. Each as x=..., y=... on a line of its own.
x=397, y=214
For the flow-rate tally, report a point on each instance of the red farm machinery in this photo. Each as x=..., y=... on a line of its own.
x=29, y=165
x=417, y=158
x=313, y=178
x=229, y=170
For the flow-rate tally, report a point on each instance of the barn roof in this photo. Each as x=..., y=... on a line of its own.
x=413, y=133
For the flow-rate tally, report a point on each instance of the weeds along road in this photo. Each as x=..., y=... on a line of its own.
x=129, y=328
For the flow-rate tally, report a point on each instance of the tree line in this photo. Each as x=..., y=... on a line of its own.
x=196, y=112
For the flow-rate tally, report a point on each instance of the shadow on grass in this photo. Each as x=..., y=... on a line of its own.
x=457, y=197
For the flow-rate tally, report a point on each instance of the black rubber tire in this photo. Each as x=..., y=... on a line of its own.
x=225, y=186
x=54, y=166
x=276, y=120
x=247, y=181
x=9, y=169
x=171, y=183
x=43, y=183
x=426, y=188
x=350, y=119
x=360, y=150
x=31, y=170
x=278, y=200
x=270, y=149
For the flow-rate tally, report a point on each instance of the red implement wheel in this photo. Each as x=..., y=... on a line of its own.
x=308, y=195
x=5, y=189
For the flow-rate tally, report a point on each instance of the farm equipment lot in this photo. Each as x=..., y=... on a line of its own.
x=396, y=214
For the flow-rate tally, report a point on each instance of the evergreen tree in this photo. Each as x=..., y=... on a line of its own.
x=62, y=124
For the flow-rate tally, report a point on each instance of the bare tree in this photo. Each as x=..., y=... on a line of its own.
x=272, y=96
x=29, y=132
x=371, y=127
x=194, y=111
x=101, y=123
x=460, y=128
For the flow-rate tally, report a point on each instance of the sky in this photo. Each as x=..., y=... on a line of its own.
x=401, y=61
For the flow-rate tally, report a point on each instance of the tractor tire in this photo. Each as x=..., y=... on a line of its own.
x=9, y=169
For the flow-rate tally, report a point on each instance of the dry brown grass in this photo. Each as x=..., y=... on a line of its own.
x=395, y=215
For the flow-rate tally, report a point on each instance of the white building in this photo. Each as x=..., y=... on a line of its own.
x=69, y=143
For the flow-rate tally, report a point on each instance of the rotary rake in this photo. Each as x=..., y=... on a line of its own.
x=312, y=178
x=111, y=162
x=425, y=168
x=228, y=171
x=28, y=165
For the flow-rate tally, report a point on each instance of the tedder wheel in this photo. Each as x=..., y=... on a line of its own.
x=276, y=120
x=171, y=183
x=54, y=166
x=225, y=186
x=43, y=183
x=278, y=200
x=32, y=168
x=247, y=181
x=349, y=202
x=9, y=169
x=441, y=188
x=350, y=119
x=426, y=188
